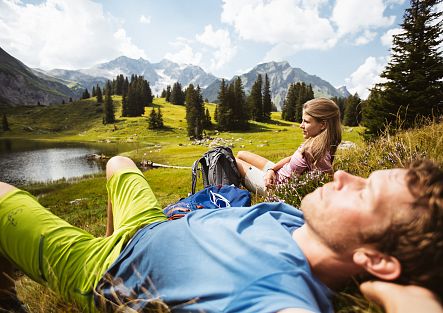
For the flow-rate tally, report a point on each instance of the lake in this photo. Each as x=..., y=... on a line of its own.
x=29, y=161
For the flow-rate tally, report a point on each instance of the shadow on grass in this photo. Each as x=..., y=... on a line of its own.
x=263, y=126
x=280, y=123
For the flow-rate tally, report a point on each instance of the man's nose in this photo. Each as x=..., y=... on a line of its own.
x=341, y=178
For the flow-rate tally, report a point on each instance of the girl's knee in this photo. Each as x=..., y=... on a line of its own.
x=241, y=154
x=118, y=163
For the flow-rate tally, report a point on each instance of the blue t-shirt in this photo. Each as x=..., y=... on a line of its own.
x=219, y=260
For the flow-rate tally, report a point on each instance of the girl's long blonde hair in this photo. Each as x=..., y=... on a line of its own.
x=326, y=111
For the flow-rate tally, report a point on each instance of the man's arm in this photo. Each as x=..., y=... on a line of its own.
x=401, y=299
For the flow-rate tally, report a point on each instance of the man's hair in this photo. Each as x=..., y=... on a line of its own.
x=418, y=242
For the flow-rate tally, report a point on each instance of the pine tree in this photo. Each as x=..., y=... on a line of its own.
x=152, y=120
x=222, y=107
x=267, y=103
x=94, y=93
x=5, y=124
x=108, y=110
x=239, y=109
x=138, y=96
x=288, y=110
x=195, y=114
x=414, y=74
x=119, y=83
x=131, y=101
x=255, y=100
x=70, y=99
x=177, y=94
x=160, y=123
x=216, y=114
x=124, y=105
x=303, y=93
x=125, y=86
x=352, y=115
x=86, y=94
x=340, y=101
x=99, y=94
x=191, y=113
x=163, y=94
x=230, y=114
x=148, y=95
x=299, y=95
x=168, y=93
x=207, y=120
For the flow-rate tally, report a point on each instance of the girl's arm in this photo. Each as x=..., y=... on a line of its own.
x=271, y=176
x=281, y=163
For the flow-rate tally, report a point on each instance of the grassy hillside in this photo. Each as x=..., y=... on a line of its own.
x=82, y=121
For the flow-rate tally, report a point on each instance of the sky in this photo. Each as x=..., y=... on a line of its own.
x=345, y=42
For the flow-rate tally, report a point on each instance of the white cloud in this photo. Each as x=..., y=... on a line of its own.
x=386, y=38
x=185, y=53
x=353, y=16
x=220, y=40
x=127, y=48
x=62, y=34
x=145, y=19
x=365, y=38
x=294, y=23
x=366, y=76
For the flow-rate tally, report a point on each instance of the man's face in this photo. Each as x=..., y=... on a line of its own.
x=340, y=211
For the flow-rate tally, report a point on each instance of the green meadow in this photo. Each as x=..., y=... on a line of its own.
x=82, y=201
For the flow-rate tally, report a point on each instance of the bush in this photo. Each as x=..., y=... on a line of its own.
x=297, y=187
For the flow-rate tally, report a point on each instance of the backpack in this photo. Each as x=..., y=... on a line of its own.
x=212, y=197
x=218, y=167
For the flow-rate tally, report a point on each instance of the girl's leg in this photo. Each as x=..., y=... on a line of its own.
x=253, y=159
x=253, y=175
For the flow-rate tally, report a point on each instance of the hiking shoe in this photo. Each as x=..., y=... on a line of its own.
x=13, y=305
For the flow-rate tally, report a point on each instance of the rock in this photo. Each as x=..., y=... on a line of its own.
x=95, y=156
x=347, y=145
x=77, y=201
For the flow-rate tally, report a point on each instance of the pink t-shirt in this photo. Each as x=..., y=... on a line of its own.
x=299, y=165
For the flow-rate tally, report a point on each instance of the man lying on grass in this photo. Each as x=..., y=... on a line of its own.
x=267, y=258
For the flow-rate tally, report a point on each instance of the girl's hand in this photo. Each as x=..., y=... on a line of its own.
x=270, y=178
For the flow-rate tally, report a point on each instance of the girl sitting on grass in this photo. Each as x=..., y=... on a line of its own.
x=322, y=133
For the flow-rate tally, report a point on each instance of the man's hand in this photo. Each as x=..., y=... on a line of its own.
x=397, y=298
x=270, y=178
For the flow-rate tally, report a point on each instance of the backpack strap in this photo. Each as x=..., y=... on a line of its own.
x=230, y=156
x=202, y=166
x=195, y=169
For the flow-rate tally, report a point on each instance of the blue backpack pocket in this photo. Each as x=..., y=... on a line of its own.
x=212, y=197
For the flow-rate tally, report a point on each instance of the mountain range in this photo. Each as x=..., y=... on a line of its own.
x=20, y=85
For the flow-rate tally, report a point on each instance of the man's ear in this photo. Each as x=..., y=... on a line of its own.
x=381, y=265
